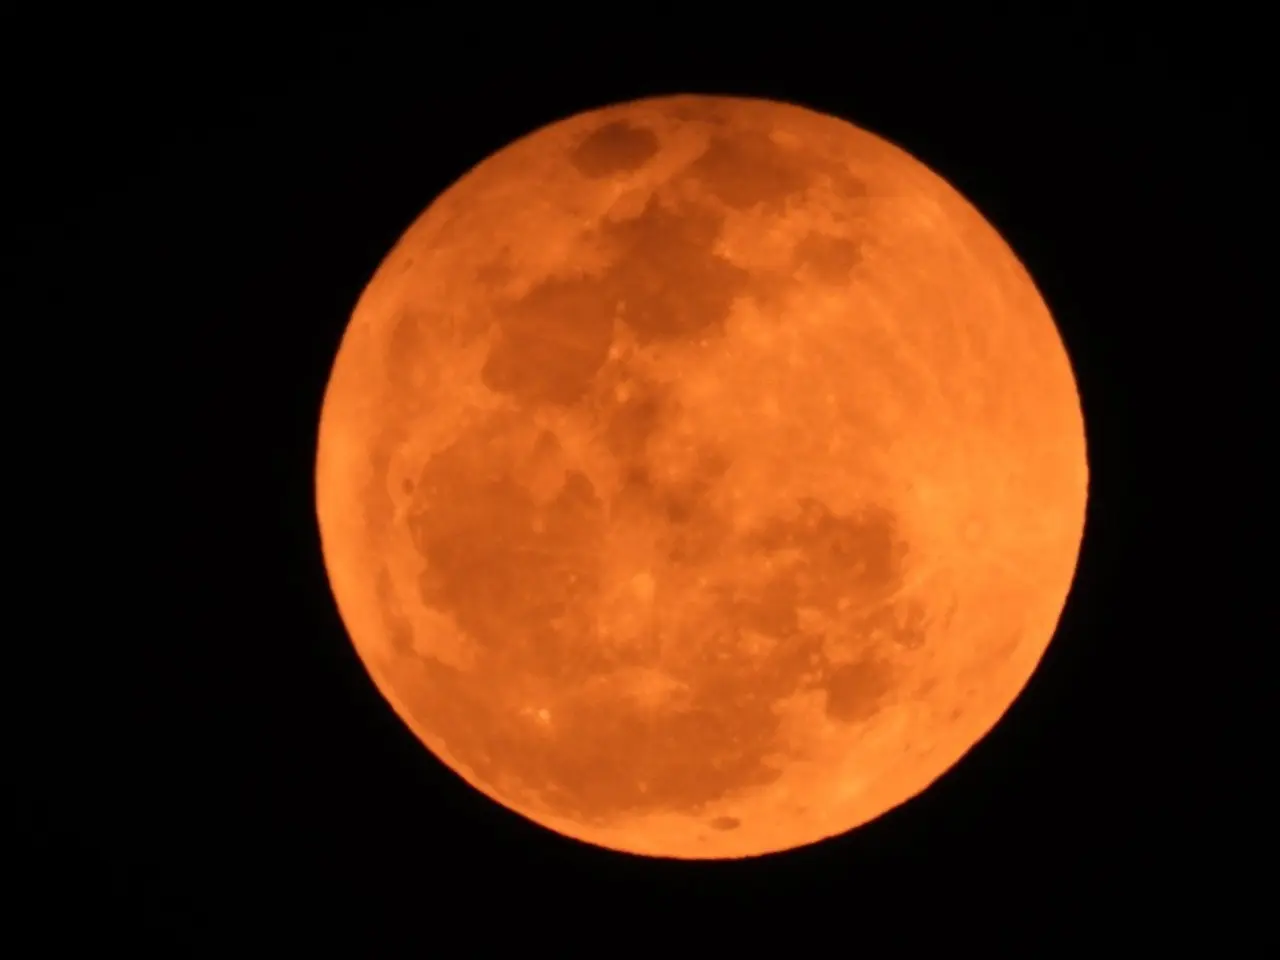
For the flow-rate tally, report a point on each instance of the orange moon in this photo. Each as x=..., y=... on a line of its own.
x=701, y=477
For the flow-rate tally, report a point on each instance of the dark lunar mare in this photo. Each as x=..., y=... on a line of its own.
x=526, y=594
x=523, y=580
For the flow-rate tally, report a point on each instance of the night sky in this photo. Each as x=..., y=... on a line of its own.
x=192, y=211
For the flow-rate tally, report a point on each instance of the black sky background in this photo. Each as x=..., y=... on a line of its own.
x=192, y=210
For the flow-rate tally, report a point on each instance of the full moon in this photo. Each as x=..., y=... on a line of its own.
x=701, y=477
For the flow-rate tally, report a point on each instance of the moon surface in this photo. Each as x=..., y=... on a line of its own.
x=701, y=477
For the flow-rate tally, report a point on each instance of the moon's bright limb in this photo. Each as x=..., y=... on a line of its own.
x=701, y=477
